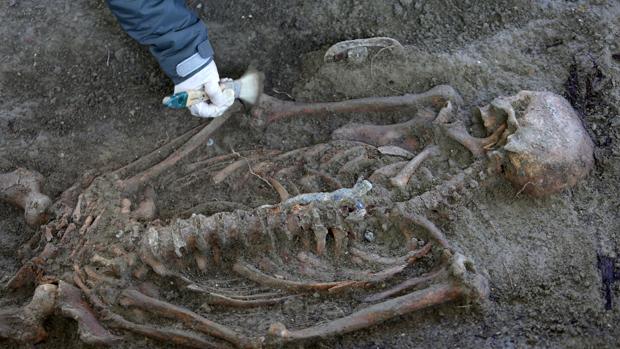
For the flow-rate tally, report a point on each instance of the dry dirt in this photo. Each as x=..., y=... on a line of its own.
x=77, y=94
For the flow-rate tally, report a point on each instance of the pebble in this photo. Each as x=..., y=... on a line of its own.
x=369, y=236
x=118, y=54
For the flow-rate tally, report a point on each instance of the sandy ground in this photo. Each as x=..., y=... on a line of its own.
x=77, y=94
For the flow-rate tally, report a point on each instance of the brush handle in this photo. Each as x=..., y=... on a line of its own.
x=190, y=97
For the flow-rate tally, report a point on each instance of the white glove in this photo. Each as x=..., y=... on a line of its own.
x=209, y=79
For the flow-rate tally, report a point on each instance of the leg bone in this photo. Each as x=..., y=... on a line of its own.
x=463, y=283
x=71, y=305
x=25, y=324
x=271, y=109
x=23, y=188
x=189, y=318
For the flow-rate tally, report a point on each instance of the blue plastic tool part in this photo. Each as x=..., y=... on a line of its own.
x=176, y=101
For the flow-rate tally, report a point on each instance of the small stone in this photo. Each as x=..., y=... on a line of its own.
x=119, y=54
x=615, y=122
x=369, y=236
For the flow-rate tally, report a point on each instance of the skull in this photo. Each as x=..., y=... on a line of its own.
x=544, y=148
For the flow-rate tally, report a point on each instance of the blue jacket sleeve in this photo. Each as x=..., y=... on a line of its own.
x=176, y=36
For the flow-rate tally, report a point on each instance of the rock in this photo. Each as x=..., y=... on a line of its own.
x=119, y=54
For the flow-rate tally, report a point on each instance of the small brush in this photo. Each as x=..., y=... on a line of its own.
x=248, y=88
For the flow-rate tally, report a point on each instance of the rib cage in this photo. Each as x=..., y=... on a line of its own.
x=323, y=167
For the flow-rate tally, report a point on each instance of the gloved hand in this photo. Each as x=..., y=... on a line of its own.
x=209, y=79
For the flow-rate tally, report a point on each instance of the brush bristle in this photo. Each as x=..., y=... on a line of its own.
x=251, y=86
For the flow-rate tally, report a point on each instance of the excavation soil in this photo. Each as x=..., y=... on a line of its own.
x=78, y=95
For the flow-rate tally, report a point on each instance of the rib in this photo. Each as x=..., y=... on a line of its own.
x=375, y=258
x=157, y=155
x=387, y=170
x=294, y=286
x=405, y=285
x=432, y=229
x=279, y=188
x=134, y=183
x=250, y=301
x=405, y=174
